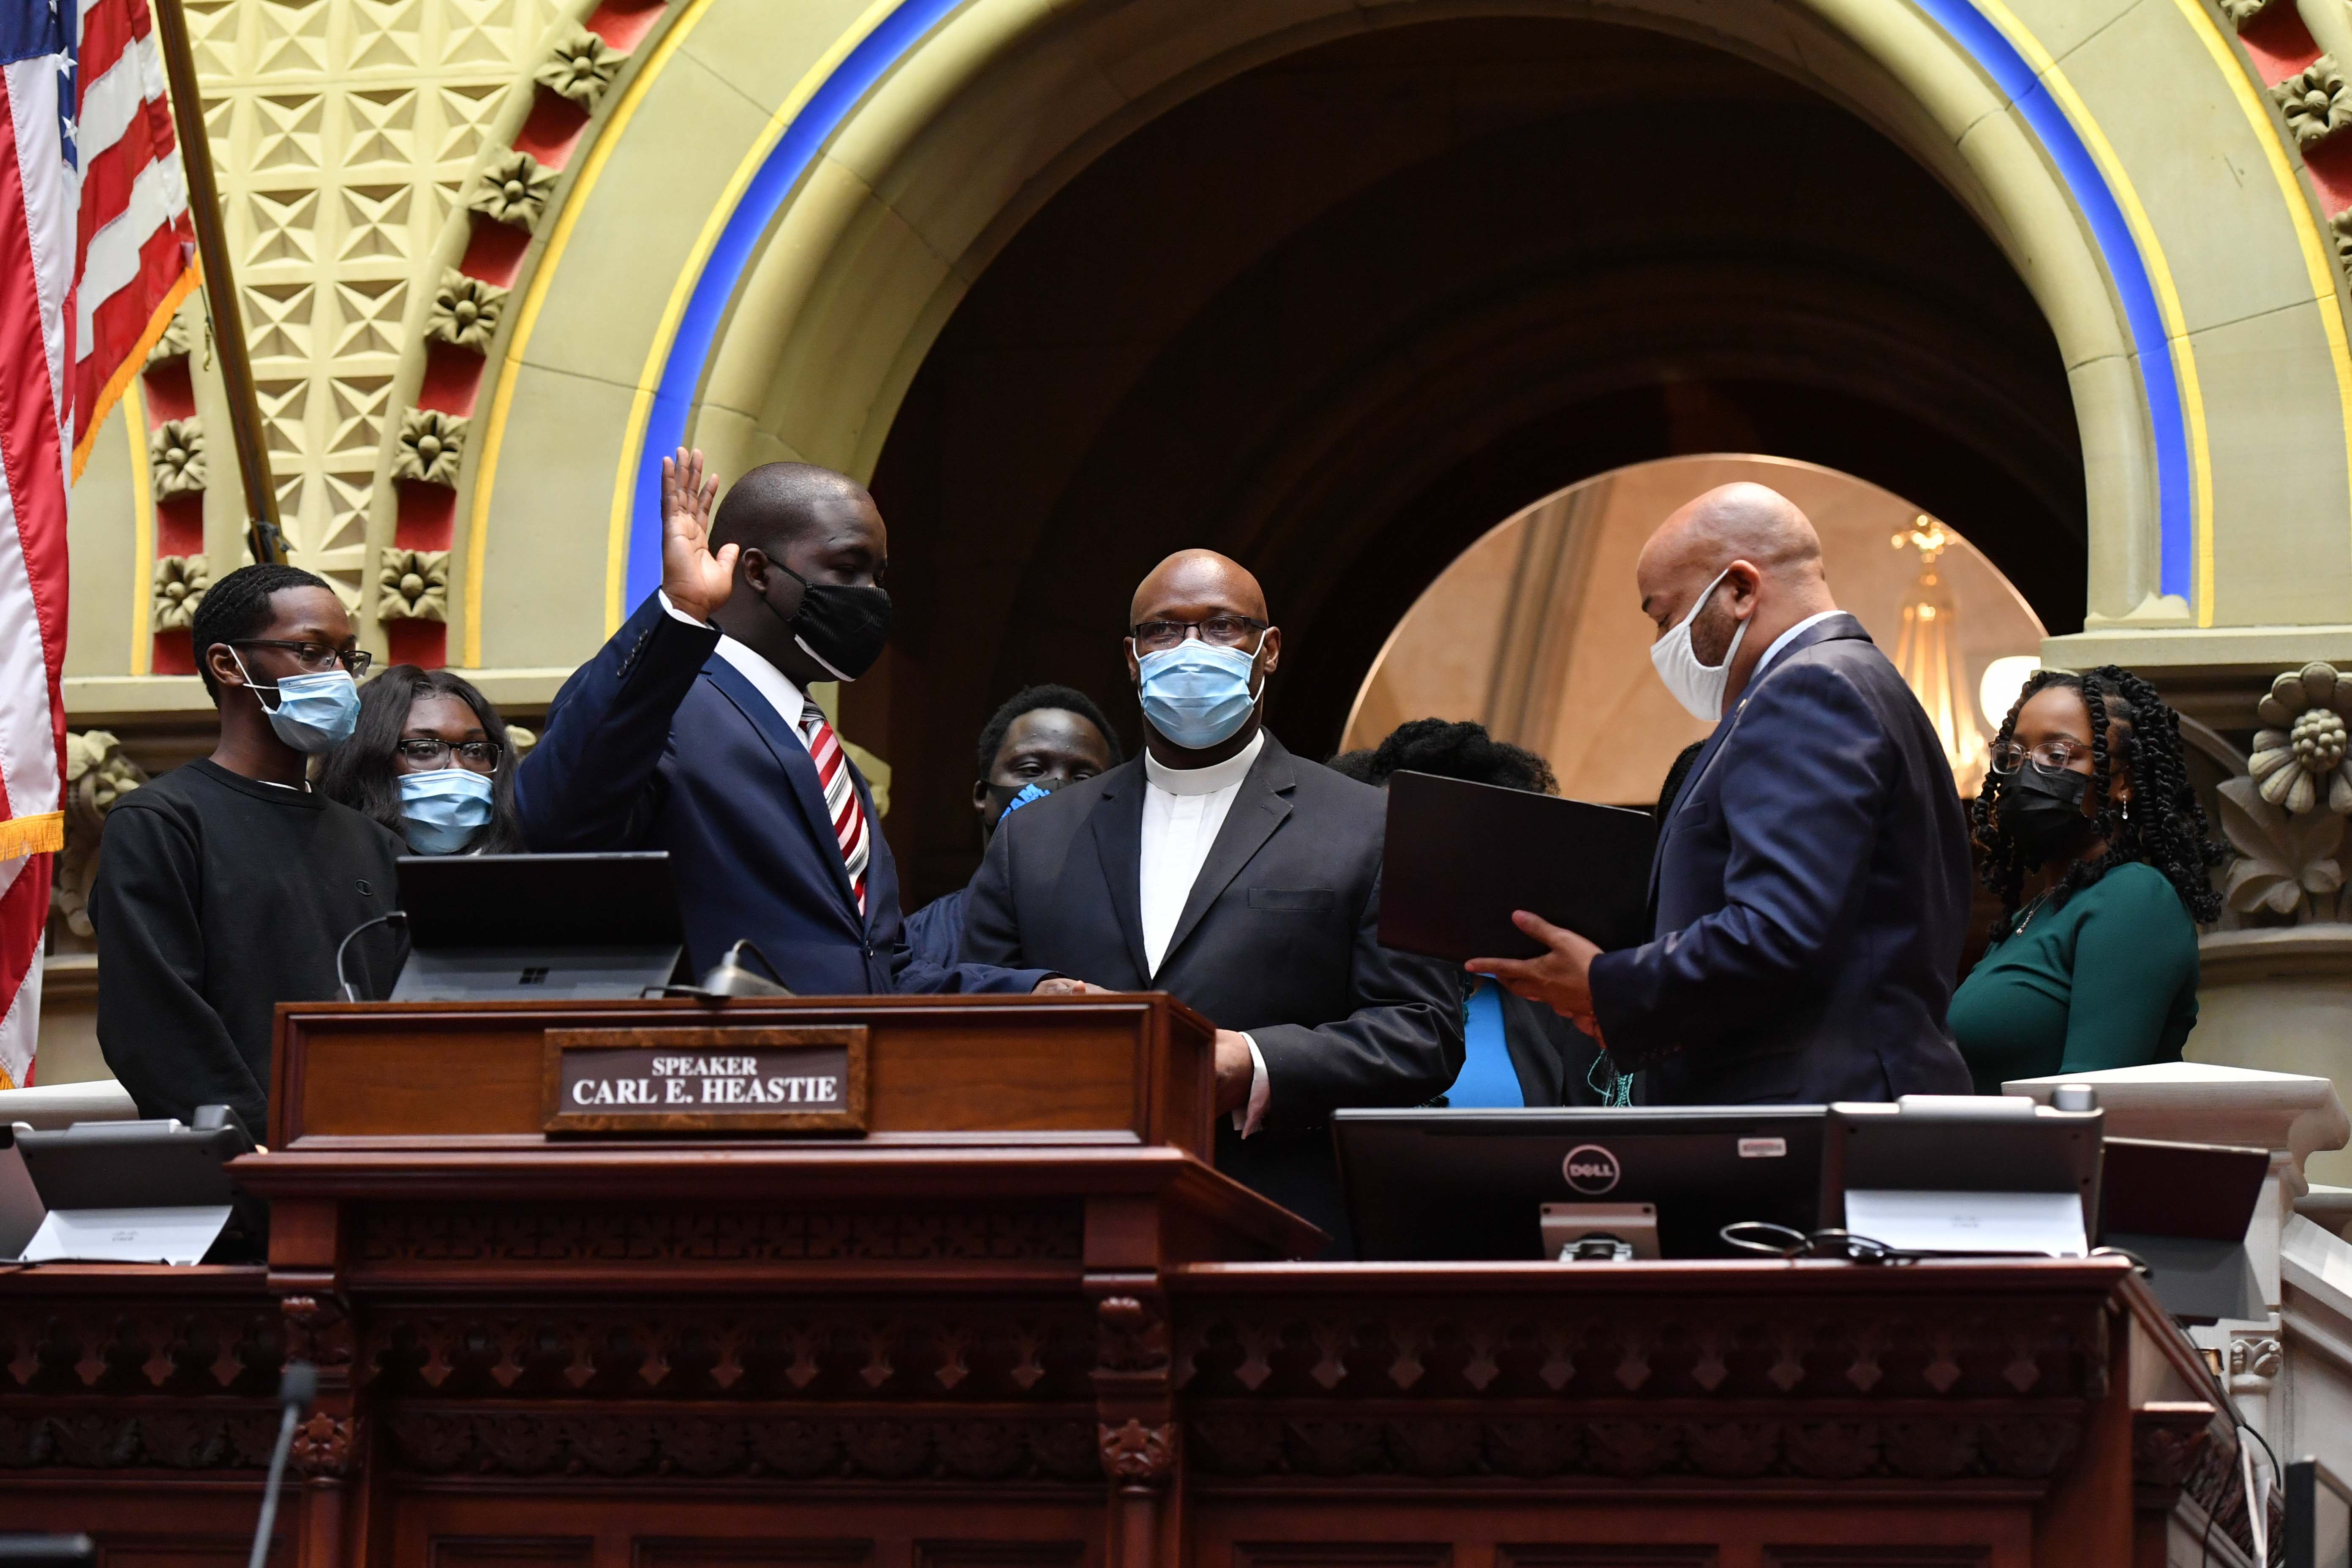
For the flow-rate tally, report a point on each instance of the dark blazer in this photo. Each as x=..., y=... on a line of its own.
x=1279, y=938
x=660, y=743
x=1811, y=891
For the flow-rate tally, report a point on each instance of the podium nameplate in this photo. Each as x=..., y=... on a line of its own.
x=786, y=1079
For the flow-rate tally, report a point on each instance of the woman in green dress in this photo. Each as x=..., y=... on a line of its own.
x=2089, y=794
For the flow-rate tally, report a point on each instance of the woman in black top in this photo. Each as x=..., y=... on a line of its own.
x=430, y=760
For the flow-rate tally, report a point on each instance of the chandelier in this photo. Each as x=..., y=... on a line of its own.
x=1928, y=654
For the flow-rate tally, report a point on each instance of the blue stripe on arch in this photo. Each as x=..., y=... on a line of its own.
x=2126, y=268
x=732, y=254
x=879, y=50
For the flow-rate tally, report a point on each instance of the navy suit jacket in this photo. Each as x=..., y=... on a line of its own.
x=660, y=743
x=1812, y=889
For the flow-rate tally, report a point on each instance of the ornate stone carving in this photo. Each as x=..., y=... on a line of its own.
x=2298, y=759
x=176, y=343
x=654, y=1235
x=431, y=447
x=175, y=458
x=2255, y=1356
x=579, y=67
x=466, y=312
x=413, y=585
x=2242, y=11
x=439, y=1442
x=513, y=190
x=179, y=583
x=97, y=776
x=2316, y=103
x=1139, y=1455
x=2287, y=865
x=521, y=741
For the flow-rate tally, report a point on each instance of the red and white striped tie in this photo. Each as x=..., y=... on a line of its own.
x=840, y=797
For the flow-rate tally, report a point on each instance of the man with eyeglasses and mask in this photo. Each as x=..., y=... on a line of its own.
x=225, y=886
x=1242, y=880
x=693, y=731
x=1810, y=885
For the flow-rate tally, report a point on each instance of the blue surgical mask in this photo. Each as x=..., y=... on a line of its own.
x=1196, y=693
x=314, y=712
x=441, y=811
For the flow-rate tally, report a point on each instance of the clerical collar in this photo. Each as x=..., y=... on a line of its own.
x=1208, y=780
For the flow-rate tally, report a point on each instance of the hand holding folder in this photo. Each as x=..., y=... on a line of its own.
x=1463, y=859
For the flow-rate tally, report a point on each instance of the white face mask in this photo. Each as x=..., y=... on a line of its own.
x=1698, y=687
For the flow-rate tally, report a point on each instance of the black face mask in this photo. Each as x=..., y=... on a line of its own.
x=2043, y=807
x=841, y=628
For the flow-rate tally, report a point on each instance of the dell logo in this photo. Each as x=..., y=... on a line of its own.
x=1590, y=1169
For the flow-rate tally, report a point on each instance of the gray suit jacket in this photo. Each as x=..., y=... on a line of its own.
x=1279, y=938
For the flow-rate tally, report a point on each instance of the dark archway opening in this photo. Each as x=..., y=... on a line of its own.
x=1342, y=314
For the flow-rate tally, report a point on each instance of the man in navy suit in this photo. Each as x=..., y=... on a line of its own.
x=692, y=732
x=1812, y=877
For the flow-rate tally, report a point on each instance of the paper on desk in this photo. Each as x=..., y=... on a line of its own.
x=2050, y=1224
x=128, y=1235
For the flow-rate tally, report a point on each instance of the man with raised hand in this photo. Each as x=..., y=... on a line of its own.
x=692, y=732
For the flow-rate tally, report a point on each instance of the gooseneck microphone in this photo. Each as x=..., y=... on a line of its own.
x=297, y=1385
x=342, y=978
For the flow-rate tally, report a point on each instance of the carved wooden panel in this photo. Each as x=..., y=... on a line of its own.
x=1891, y=1556
x=195, y=1549
x=643, y=1233
x=511, y=1551
x=1000, y=1553
x=1342, y=1554
x=1604, y=1556
x=659, y=1551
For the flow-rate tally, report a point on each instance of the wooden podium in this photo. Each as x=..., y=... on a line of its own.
x=1019, y=1322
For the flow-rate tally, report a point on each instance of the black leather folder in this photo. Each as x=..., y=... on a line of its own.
x=1461, y=857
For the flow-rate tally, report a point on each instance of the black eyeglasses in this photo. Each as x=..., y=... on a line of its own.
x=481, y=756
x=315, y=658
x=1225, y=631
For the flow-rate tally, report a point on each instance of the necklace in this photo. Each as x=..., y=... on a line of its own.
x=2032, y=909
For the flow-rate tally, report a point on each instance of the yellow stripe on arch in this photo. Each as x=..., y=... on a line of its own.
x=2168, y=298
x=2318, y=257
x=649, y=377
x=616, y=541
x=494, y=425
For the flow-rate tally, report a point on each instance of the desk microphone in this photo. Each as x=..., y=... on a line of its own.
x=297, y=1385
x=351, y=991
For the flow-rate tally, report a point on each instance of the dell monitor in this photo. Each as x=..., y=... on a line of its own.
x=1467, y=1184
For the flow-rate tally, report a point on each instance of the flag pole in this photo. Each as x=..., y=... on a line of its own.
x=266, y=540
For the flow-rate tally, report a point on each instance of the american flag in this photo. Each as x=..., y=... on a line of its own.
x=95, y=254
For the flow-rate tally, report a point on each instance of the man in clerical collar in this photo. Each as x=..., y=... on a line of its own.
x=1242, y=880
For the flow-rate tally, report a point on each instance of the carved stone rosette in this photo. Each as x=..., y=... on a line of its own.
x=431, y=447
x=513, y=190
x=579, y=67
x=466, y=312
x=413, y=585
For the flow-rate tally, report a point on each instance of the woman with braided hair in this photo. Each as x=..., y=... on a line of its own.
x=2089, y=795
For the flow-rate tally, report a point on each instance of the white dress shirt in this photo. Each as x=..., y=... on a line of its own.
x=1780, y=642
x=789, y=701
x=1182, y=810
